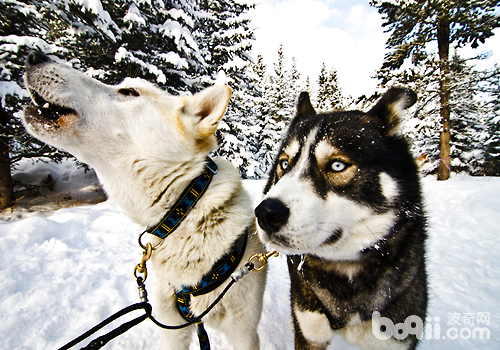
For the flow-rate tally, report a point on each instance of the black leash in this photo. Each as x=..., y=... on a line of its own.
x=104, y=339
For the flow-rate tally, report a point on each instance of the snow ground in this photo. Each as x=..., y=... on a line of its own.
x=62, y=272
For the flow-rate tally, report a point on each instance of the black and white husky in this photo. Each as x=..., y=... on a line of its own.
x=344, y=202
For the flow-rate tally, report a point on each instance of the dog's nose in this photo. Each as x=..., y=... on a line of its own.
x=35, y=58
x=271, y=215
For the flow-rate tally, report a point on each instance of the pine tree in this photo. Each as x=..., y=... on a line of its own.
x=296, y=86
x=281, y=96
x=267, y=137
x=492, y=145
x=329, y=95
x=469, y=112
x=152, y=40
x=277, y=107
x=226, y=41
x=282, y=87
x=470, y=118
x=417, y=25
x=263, y=156
x=21, y=30
x=308, y=86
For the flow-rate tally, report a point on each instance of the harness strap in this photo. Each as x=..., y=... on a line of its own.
x=183, y=302
x=185, y=202
x=221, y=271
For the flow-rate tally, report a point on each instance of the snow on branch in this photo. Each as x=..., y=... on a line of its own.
x=14, y=42
x=13, y=89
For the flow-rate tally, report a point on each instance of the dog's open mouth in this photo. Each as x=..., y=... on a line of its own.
x=43, y=111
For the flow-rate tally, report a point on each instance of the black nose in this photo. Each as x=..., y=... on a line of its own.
x=35, y=58
x=271, y=215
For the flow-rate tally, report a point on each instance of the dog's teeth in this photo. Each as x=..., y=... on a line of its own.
x=47, y=105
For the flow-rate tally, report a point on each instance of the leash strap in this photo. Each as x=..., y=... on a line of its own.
x=186, y=201
x=101, y=341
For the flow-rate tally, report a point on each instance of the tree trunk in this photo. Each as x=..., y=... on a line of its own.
x=6, y=188
x=443, y=34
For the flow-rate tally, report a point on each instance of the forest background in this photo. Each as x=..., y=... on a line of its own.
x=186, y=45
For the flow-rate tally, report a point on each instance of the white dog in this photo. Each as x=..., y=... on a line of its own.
x=146, y=147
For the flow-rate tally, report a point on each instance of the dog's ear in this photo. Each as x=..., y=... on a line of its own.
x=391, y=106
x=304, y=106
x=201, y=113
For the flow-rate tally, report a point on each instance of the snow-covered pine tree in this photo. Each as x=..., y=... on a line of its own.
x=469, y=112
x=281, y=90
x=225, y=37
x=470, y=118
x=308, y=87
x=281, y=95
x=491, y=80
x=329, y=94
x=266, y=142
x=21, y=30
x=418, y=28
x=147, y=39
x=297, y=85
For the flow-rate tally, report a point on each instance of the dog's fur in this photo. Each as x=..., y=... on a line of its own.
x=146, y=146
x=343, y=200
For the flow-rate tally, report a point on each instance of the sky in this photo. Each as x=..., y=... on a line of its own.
x=344, y=34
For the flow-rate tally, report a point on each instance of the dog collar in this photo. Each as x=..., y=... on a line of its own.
x=186, y=201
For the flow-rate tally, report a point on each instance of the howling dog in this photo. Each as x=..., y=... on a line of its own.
x=146, y=147
x=343, y=200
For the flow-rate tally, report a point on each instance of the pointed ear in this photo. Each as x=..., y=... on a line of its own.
x=304, y=106
x=391, y=106
x=201, y=113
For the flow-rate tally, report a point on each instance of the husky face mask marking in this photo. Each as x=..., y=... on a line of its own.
x=343, y=201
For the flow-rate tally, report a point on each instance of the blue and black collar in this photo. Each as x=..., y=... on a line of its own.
x=186, y=202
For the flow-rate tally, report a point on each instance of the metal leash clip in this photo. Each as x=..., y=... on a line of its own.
x=141, y=267
x=262, y=259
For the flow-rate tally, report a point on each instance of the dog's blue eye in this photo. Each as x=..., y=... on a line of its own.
x=284, y=164
x=128, y=92
x=338, y=166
